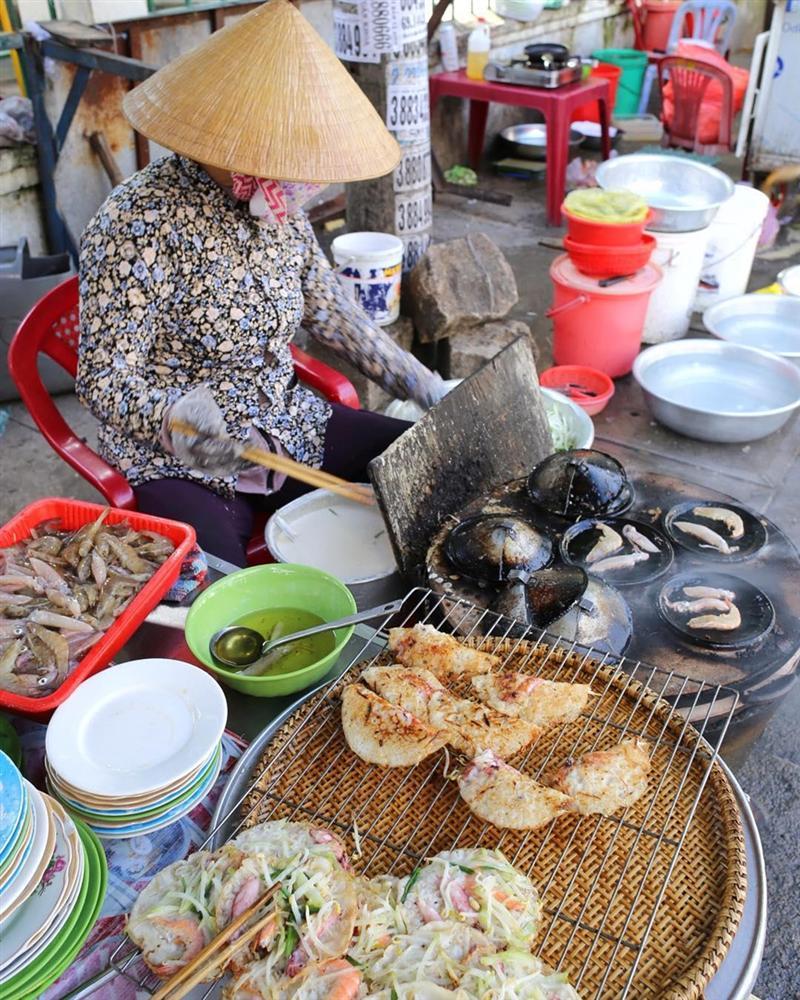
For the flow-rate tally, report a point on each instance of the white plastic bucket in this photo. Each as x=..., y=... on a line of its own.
x=732, y=241
x=680, y=257
x=369, y=266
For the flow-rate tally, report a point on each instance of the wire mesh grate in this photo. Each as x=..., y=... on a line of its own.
x=603, y=880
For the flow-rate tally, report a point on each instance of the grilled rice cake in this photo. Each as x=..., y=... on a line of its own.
x=382, y=733
x=500, y=794
x=424, y=646
x=604, y=781
x=470, y=727
x=545, y=703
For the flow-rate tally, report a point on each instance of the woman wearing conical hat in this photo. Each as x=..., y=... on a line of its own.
x=199, y=270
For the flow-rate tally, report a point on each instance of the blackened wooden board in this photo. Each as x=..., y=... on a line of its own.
x=488, y=430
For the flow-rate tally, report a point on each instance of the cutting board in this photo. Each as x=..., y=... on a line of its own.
x=490, y=429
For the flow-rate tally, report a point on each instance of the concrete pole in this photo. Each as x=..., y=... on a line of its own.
x=384, y=45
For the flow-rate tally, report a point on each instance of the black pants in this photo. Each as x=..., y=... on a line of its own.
x=224, y=527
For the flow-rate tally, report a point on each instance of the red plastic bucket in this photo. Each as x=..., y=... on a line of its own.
x=589, y=112
x=604, y=234
x=599, y=327
x=658, y=23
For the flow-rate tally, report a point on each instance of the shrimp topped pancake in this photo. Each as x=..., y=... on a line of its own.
x=478, y=887
x=334, y=979
x=469, y=727
x=503, y=796
x=444, y=656
x=604, y=781
x=383, y=733
x=543, y=702
x=281, y=841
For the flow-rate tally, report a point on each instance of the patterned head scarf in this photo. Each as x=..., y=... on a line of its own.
x=273, y=201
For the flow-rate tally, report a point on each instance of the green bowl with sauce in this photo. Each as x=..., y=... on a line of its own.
x=285, y=595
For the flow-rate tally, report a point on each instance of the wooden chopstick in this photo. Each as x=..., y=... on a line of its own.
x=214, y=955
x=294, y=470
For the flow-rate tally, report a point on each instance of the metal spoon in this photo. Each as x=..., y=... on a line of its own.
x=238, y=646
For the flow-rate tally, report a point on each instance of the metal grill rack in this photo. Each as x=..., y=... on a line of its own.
x=366, y=800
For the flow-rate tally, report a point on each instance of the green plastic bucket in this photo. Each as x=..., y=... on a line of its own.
x=633, y=65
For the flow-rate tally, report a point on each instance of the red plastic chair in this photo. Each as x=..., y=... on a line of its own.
x=689, y=79
x=52, y=328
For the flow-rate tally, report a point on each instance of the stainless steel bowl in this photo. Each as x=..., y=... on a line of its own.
x=683, y=194
x=715, y=391
x=769, y=322
x=530, y=141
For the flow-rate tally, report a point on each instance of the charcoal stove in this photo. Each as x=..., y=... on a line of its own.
x=761, y=668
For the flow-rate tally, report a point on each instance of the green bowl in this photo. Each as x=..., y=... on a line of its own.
x=279, y=585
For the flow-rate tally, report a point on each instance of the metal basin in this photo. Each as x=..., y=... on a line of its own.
x=683, y=194
x=715, y=391
x=769, y=322
x=530, y=141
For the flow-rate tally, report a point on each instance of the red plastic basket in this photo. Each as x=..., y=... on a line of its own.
x=73, y=514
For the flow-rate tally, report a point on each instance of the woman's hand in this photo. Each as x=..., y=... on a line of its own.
x=211, y=450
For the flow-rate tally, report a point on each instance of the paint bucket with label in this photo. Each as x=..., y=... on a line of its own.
x=369, y=266
x=680, y=257
x=732, y=241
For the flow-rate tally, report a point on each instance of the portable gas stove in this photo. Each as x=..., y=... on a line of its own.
x=546, y=65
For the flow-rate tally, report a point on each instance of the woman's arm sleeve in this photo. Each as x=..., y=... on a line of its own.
x=121, y=287
x=334, y=319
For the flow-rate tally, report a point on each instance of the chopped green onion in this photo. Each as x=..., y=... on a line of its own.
x=412, y=878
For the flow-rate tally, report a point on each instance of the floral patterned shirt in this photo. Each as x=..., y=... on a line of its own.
x=180, y=286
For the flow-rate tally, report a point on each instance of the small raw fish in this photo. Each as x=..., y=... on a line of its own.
x=14, y=569
x=609, y=542
x=48, y=544
x=48, y=647
x=701, y=604
x=10, y=583
x=619, y=562
x=87, y=542
x=80, y=642
x=638, y=540
x=708, y=539
x=51, y=620
x=14, y=599
x=729, y=518
x=11, y=630
x=9, y=658
x=48, y=573
x=722, y=595
x=725, y=623
x=99, y=569
x=64, y=602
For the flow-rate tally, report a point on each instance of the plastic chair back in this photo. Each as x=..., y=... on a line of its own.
x=689, y=79
x=710, y=21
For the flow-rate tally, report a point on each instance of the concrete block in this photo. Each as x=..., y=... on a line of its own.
x=472, y=348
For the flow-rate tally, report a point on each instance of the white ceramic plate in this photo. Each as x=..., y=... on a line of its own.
x=136, y=727
x=34, y=924
x=44, y=840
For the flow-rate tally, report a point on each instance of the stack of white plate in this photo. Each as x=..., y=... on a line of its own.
x=136, y=747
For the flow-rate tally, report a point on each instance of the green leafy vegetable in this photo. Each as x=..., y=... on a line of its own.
x=411, y=880
x=292, y=939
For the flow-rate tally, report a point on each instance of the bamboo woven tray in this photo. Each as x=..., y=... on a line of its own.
x=624, y=914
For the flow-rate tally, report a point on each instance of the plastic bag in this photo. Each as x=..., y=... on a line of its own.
x=16, y=121
x=603, y=205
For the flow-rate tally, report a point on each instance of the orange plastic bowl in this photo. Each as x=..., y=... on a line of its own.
x=589, y=388
x=605, y=234
x=606, y=262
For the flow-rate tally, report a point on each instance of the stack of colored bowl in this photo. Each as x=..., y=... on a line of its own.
x=52, y=884
x=610, y=246
x=136, y=747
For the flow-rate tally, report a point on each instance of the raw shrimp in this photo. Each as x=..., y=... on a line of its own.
x=609, y=542
x=708, y=539
x=729, y=518
x=53, y=620
x=53, y=642
x=638, y=540
x=724, y=623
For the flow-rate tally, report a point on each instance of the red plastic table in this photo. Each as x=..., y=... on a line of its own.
x=556, y=105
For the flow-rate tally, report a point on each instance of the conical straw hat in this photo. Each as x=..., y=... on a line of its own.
x=265, y=96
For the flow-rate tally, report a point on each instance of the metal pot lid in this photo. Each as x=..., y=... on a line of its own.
x=580, y=483
x=645, y=279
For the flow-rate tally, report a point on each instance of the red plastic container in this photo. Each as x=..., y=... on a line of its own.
x=658, y=23
x=590, y=112
x=589, y=388
x=604, y=234
x=599, y=327
x=73, y=514
x=605, y=262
